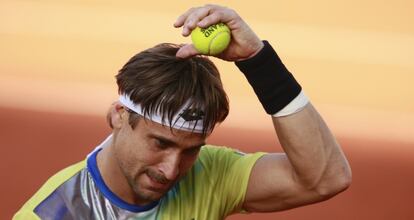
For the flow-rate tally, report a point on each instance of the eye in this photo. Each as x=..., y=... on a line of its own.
x=192, y=151
x=161, y=144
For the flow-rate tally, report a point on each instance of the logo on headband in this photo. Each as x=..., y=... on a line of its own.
x=192, y=114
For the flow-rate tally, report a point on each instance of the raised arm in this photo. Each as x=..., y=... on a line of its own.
x=313, y=167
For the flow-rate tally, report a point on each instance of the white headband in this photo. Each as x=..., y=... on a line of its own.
x=185, y=119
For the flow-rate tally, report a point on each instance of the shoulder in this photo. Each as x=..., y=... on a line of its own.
x=48, y=188
x=211, y=154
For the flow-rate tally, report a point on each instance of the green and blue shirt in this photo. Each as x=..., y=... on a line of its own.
x=214, y=188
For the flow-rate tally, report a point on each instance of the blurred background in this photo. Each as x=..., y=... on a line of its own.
x=353, y=58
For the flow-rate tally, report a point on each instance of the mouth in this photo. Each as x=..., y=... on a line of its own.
x=157, y=186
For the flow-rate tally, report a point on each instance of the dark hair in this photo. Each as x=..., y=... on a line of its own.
x=160, y=82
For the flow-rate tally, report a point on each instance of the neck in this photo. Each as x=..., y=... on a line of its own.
x=112, y=174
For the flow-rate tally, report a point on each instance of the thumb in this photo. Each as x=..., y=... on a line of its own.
x=187, y=50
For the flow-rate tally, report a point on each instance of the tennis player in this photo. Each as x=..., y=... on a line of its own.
x=156, y=164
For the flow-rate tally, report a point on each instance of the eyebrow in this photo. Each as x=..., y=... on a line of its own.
x=171, y=142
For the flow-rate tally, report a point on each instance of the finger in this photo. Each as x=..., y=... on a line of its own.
x=181, y=19
x=209, y=20
x=193, y=18
x=186, y=51
x=217, y=15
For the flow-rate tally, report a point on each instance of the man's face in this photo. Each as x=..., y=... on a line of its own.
x=152, y=158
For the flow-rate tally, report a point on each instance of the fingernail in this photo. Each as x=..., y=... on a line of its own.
x=185, y=32
x=179, y=54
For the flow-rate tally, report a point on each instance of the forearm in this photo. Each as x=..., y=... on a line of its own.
x=315, y=156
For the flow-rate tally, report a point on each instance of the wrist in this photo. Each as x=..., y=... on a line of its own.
x=273, y=84
x=296, y=105
x=256, y=49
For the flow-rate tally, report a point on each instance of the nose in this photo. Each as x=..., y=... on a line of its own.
x=170, y=167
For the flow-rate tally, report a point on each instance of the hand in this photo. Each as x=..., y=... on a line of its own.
x=244, y=42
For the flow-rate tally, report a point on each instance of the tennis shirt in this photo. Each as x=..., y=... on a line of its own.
x=214, y=188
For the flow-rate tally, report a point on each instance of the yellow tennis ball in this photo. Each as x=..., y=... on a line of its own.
x=211, y=40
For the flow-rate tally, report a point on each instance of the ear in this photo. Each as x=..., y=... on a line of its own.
x=115, y=115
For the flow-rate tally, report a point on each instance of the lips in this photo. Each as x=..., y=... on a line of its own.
x=155, y=185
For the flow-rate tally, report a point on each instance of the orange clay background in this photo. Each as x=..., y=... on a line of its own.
x=353, y=58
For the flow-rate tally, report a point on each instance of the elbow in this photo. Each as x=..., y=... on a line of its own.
x=341, y=184
x=335, y=184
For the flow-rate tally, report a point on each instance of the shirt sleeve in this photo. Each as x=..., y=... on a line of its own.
x=27, y=211
x=25, y=215
x=230, y=172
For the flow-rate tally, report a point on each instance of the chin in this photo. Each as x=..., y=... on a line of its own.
x=147, y=190
x=148, y=194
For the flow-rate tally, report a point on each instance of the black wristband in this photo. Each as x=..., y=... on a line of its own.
x=273, y=84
